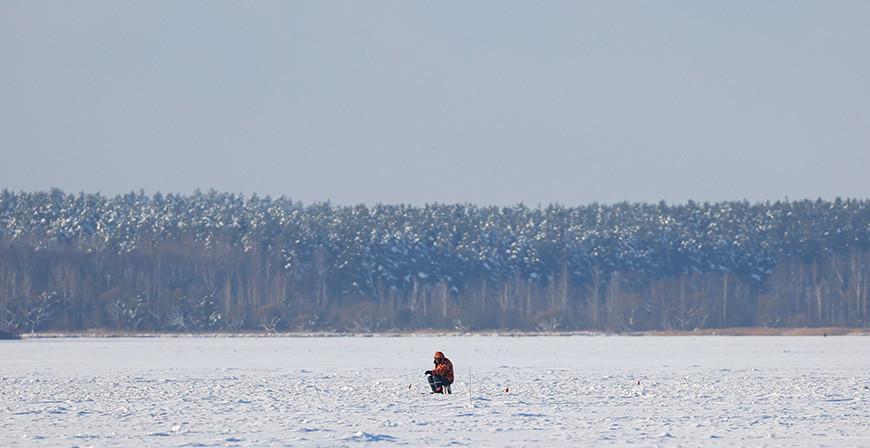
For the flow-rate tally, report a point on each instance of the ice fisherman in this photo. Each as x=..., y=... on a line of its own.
x=441, y=375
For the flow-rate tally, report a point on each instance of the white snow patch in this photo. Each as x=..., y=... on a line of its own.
x=542, y=391
x=361, y=436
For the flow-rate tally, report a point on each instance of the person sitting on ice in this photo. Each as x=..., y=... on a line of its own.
x=442, y=375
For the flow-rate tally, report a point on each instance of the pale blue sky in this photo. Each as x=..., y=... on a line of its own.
x=491, y=102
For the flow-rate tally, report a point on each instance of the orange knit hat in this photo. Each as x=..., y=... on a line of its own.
x=439, y=355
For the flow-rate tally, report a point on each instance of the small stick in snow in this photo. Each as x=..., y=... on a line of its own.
x=470, y=403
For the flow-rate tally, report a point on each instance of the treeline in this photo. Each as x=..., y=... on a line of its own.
x=226, y=262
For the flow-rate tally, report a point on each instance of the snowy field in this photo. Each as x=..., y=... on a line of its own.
x=529, y=391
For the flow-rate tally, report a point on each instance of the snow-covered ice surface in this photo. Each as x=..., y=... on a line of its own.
x=509, y=391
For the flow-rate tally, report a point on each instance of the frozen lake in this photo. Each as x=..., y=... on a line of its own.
x=357, y=391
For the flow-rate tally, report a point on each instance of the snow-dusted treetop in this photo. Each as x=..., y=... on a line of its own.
x=446, y=242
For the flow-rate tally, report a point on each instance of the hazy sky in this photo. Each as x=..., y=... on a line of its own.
x=491, y=102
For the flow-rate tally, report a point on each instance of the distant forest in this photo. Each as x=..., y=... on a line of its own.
x=225, y=262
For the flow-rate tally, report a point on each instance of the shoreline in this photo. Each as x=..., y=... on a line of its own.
x=735, y=331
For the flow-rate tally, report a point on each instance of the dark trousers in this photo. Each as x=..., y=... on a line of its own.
x=436, y=382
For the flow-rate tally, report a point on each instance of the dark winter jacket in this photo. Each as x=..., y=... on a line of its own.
x=444, y=370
